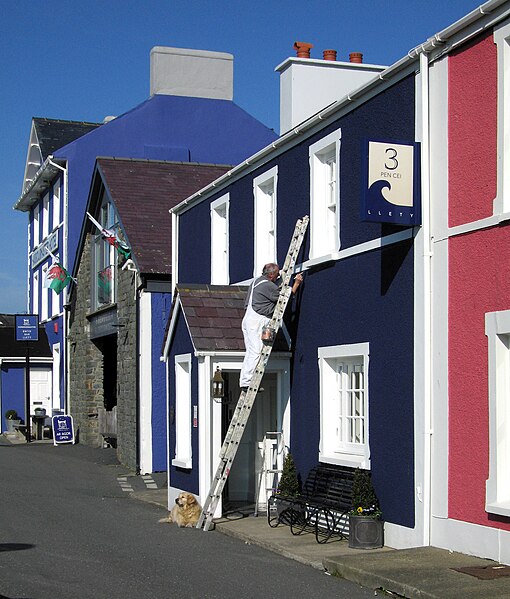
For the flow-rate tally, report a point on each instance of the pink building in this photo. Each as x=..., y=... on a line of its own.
x=469, y=92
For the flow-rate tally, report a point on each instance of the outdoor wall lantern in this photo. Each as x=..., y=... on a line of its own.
x=217, y=385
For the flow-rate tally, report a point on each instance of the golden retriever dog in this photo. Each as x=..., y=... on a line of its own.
x=185, y=512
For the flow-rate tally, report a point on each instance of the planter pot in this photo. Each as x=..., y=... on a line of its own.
x=365, y=532
x=12, y=425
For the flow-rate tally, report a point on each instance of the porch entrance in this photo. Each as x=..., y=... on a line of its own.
x=241, y=487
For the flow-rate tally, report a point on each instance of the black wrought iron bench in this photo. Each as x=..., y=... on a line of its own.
x=322, y=507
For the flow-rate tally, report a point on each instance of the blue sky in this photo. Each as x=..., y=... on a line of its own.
x=85, y=60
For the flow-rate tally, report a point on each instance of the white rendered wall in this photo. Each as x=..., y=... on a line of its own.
x=194, y=73
x=145, y=391
x=308, y=85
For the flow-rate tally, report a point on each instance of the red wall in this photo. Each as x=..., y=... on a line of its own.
x=479, y=274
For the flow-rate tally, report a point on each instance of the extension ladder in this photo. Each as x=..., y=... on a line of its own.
x=271, y=466
x=247, y=399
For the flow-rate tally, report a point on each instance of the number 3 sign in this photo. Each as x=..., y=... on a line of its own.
x=391, y=183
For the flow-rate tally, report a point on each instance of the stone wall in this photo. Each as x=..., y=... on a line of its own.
x=86, y=363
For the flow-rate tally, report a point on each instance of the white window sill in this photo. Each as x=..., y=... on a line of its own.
x=182, y=463
x=501, y=509
x=349, y=460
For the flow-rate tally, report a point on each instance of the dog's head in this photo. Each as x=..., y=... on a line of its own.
x=184, y=500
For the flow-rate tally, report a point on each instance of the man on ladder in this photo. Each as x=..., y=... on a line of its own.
x=260, y=304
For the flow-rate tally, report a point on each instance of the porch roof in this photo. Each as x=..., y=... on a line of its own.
x=213, y=314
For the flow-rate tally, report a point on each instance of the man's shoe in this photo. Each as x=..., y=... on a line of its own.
x=245, y=389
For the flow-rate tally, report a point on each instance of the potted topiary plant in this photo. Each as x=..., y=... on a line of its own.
x=366, y=526
x=285, y=494
x=12, y=419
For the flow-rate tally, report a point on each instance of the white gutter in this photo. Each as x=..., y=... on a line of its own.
x=434, y=43
x=427, y=293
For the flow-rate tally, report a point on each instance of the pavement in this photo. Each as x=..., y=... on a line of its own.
x=421, y=573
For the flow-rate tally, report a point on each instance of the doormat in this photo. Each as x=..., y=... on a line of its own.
x=485, y=572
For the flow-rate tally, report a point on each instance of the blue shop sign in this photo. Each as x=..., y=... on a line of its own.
x=391, y=183
x=27, y=327
x=63, y=429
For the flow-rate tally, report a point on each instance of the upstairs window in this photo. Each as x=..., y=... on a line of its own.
x=56, y=205
x=343, y=373
x=264, y=195
x=324, y=195
x=46, y=216
x=219, y=241
x=104, y=258
x=36, y=228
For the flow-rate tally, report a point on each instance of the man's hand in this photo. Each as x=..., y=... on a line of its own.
x=298, y=279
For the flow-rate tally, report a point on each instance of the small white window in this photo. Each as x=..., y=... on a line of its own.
x=497, y=329
x=343, y=371
x=35, y=293
x=219, y=241
x=37, y=230
x=46, y=216
x=325, y=195
x=183, y=456
x=502, y=41
x=56, y=205
x=264, y=196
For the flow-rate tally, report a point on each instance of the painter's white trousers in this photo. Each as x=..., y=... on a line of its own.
x=252, y=330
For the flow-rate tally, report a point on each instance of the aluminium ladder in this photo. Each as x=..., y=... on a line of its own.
x=271, y=466
x=247, y=399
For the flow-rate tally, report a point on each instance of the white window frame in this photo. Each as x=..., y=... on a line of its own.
x=220, y=241
x=35, y=293
x=183, y=452
x=55, y=380
x=44, y=294
x=46, y=215
x=56, y=204
x=334, y=447
x=37, y=228
x=324, y=160
x=265, y=212
x=497, y=329
x=502, y=41
x=104, y=255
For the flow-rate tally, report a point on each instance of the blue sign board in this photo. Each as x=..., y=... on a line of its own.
x=392, y=183
x=27, y=327
x=63, y=429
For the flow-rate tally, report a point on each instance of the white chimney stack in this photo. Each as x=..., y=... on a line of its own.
x=195, y=73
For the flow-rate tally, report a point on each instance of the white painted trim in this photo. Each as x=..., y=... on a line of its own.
x=473, y=539
x=361, y=248
x=264, y=255
x=55, y=375
x=145, y=382
x=171, y=327
x=175, y=251
x=204, y=427
x=402, y=537
x=183, y=447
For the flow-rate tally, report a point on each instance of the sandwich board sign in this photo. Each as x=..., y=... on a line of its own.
x=63, y=429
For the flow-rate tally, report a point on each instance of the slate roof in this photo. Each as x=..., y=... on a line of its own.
x=213, y=314
x=10, y=348
x=143, y=192
x=53, y=134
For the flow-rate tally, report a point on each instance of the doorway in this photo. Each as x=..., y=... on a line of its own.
x=241, y=487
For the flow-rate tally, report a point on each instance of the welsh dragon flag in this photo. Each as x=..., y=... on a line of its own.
x=57, y=277
x=112, y=238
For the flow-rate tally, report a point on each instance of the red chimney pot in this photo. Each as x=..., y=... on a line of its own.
x=303, y=49
x=329, y=54
x=356, y=57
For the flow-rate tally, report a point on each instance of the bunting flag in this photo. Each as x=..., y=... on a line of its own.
x=113, y=239
x=57, y=277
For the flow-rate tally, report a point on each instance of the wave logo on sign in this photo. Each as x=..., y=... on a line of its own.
x=391, y=186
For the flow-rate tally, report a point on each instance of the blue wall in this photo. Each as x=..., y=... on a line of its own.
x=160, y=305
x=364, y=298
x=13, y=390
x=213, y=131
